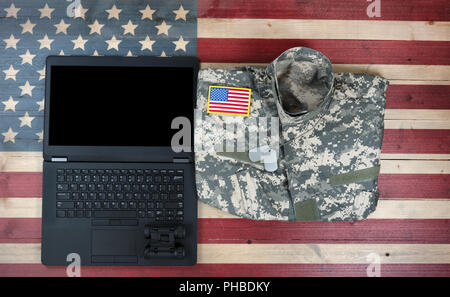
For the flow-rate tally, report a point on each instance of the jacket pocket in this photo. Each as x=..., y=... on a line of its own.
x=344, y=203
x=264, y=196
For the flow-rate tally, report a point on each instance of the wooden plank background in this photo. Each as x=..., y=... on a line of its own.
x=409, y=45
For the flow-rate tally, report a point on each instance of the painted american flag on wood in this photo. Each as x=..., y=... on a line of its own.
x=408, y=44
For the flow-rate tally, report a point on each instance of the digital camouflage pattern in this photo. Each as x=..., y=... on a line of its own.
x=331, y=130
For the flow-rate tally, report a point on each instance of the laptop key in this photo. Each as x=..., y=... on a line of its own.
x=60, y=214
x=115, y=214
x=62, y=187
x=61, y=204
x=178, y=178
x=62, y=196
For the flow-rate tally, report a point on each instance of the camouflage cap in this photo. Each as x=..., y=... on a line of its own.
x=303, y=79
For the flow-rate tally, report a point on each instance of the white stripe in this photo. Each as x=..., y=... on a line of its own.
x=236, y=95
x=322, y=29
x=421, y=73
x=238, y=92
x=417, y=114
x=238, y=99
x=278, y=253
x=392, y=208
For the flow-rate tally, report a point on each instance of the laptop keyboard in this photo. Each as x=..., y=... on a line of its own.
x=156, y=195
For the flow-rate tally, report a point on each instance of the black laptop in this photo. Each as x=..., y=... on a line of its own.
x=115, y=192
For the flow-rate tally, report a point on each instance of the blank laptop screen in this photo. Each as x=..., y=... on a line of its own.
x=118, y=106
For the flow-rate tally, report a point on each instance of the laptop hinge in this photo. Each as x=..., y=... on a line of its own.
x=59, y=159
x=180, y=160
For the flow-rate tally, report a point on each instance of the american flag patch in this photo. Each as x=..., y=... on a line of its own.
x=229, y=100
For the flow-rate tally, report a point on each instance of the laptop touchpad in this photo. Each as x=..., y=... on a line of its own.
x=114, y=242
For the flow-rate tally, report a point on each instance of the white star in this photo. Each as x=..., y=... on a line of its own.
x=113, y=13
x=61, y=53
x=113, y=43
x=40, y=136
x=41, y=73
x=163, y=54
x=79, y=42
x=11, y=42
x=27, y=27
x=61, y=27
x=96, y=27
x=45, y=42
x=147, y=43
x=180, y=44
x=180, y=13
x=10, y=73
x=129, y=28
x=46, y=12
x=26, y=89
x=41, y=104
x=163, y=28
x=9, y=136
x=95, y=53
x=147, y=13
x=80, y=12
x=12, y=11
x=10, y=104
x=26, y=120
x=27, y=58
x=130, y=54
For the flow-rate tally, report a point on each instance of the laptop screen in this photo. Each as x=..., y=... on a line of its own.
x=118, y=106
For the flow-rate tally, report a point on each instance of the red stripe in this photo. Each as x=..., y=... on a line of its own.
x=20, y=230
x=228, y=104
x=230, y=270
x=237, y=101
x=391, y=185
x=20, y=184
x=232, y=50
x=405, y=10
x=414, y=185
x=229, y=112
x=405, y=141
x=380, y=231
x=418, y=96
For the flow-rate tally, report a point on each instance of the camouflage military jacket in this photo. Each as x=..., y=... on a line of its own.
x=330, y=135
